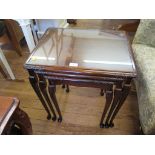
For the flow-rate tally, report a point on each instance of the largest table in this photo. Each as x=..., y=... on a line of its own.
x=85, y=58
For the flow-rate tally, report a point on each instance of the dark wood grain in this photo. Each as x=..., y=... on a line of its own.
x=11, y=115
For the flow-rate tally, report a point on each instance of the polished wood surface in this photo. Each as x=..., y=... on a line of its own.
x=11, y=115
x=77, y=119
x=6, y=104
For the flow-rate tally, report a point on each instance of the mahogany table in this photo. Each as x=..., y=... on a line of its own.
x=12, y=116
x=85, y=58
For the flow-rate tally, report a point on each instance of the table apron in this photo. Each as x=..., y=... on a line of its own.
x=79, y=76
x=116, y=90
x=81, y=82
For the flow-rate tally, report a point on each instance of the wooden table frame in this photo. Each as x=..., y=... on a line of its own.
x=115, y=84
x=116, y=88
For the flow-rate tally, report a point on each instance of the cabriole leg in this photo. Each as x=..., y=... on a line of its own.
x=43, y=85
x=102, y=92
x=52, y=90
x=67, y=88
x=117, y=94
x=34, y=83
x=124, y=95
x=109, y=95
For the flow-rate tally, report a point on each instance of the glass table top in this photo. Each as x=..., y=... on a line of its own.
x=83, y=48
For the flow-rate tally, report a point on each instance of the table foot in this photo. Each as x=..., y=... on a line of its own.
x=111, y=125
x=60, y=120
x=102, y=93
x=63, y=86
x=101, y=125
x=54, y=118
x=48, y=117
x=67, y=89
x=106, y=125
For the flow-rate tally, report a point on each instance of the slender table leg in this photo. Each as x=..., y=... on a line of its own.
x=63, y=86
x=42, y=85
x=67, y=88
x=117, y=94
x=52, y=91
x=109, y=96
x=124, y=95
x=102, y=92
x=35, y=86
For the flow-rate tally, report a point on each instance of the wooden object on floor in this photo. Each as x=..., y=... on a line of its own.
x=72, y=21
x=130, y=27
x=9, y=37
x=13, y=34
x=11, y=117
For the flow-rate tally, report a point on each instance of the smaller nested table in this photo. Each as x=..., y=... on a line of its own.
x=85, y=58
x=11, y=117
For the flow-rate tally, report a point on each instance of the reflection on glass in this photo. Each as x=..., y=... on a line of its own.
x=41, y=58
x=95, y=49
x=108, y=62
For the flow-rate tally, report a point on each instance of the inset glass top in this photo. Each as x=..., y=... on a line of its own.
x=83, y=48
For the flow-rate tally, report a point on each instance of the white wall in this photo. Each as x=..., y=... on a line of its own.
x=43, y=24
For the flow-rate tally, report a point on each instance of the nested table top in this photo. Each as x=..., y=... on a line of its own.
x=84, y=49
